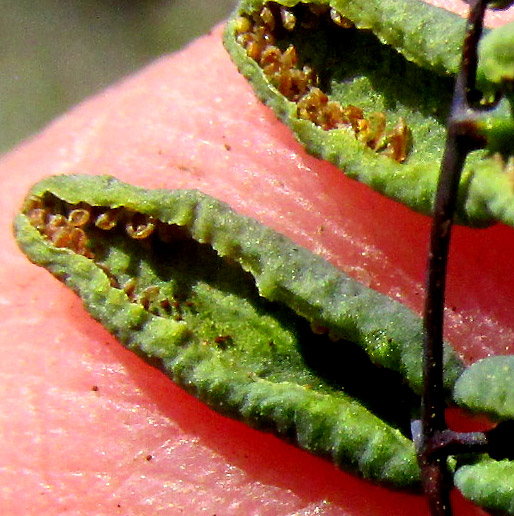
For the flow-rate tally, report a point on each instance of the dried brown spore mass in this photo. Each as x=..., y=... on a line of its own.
x=257, y=33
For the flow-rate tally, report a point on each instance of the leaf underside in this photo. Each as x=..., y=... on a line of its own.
x=250, y=323
x=260, y=329
x=396, y=59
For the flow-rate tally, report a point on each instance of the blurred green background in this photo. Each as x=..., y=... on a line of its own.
x=54, y=53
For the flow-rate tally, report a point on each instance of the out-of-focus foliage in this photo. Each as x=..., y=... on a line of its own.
x=54, y=53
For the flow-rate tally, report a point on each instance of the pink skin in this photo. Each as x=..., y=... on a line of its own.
x=89, y=428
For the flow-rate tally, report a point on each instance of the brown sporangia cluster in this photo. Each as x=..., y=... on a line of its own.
x=300, y=84
x=70, y=226
x=63, y=230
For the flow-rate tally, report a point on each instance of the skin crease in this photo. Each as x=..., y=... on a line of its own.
x=89, y=428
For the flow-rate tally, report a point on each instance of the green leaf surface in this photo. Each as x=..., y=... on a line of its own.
x=496, y=51
x=488, y=483
x=487, y=386
x=252, y=324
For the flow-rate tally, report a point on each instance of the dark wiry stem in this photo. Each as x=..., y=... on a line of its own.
x=436, y=440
